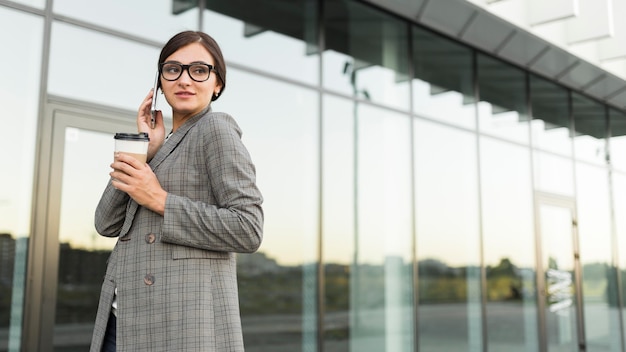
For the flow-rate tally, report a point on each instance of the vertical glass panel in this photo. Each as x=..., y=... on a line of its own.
x=338, y=195
x=598, y=281
x=619, y=203
x=91, y=74
x=550, y=125
x=557, y=260
x=19, y=98
x=271, y=36
x=448, y=239
x=618, y=139
x=82, y=252
x=381, y=282
x=366, y=53
x=443, y=85
x=153, y=19
x=508, y=246
x=277, y=284
x=590, y=129
x=553, y=173
x=502, y=110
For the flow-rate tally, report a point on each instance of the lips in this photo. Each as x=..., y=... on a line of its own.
x=184, y=94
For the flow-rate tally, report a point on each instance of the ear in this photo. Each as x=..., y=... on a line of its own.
x=217, y=91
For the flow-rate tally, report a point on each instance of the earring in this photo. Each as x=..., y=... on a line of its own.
x=216, y=94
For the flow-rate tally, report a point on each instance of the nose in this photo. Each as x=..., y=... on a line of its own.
x=185, y=77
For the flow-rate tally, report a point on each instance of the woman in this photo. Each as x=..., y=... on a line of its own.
x=170, y=283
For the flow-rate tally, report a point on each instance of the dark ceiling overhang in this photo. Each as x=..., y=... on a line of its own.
x=478, y=28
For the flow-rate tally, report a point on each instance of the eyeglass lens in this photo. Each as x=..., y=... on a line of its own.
x=198, y=72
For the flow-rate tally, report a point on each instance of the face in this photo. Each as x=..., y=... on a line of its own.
x=186, y=96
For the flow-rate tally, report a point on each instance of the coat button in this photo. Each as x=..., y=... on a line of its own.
x=148, y=279
x=150, y=238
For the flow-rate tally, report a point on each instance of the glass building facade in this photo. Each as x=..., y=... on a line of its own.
x=420, y=194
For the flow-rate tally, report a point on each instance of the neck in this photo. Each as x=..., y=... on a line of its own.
x=180, y=119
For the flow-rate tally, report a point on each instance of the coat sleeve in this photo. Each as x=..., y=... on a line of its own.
x=233, y=220
x=111, y=211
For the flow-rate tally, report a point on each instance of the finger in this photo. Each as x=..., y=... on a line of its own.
x=146, y=101
x=118, y=178
x=122, y=160
x=143, y=113
x=118, y=184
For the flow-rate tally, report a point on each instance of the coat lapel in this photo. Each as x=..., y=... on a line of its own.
x=170, y=145
x=166, y=149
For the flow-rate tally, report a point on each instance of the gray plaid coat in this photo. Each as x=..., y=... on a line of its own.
x=176, y=274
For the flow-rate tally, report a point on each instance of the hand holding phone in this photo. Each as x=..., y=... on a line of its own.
x=153, y=109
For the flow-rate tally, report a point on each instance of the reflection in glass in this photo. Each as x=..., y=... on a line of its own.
x=553, y=173
x=381, y=281
x=277, y=288
x=278, y=37
x=366, y=53
x=82, y=252
x=122, y=86
x=89, y=74
x=502, y=110
x=508, y=240
x=447, y=238
x=590, y=121
x=618, y=140
x=619, y=203
x=557, y=260
x=19, y=98
x=443, y=84
x=551, y=116
x=159, y=19
x=338, y=214
x=598, y=273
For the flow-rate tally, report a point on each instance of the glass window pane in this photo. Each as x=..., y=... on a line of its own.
x=619, y=201
x=35, y=3
x=598, y=275
x=152, y=19
x=443, y=84
x=551, y=123
x=271, y=36
x=590, y=129
x=509, y=246
x=553, y=173
x=83, y=253
x=338, y=220
x=382, y=296
x=91, y=74
x=366, y=53
x=277, y=284
x=449, y=276
x=618, y=139
x=502, y=110
x=19, y=99
x=558, y=272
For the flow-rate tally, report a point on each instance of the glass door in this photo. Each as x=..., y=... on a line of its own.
x=559, y=301
x=81, y=154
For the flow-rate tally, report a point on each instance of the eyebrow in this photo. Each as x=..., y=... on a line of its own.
x=191, y=63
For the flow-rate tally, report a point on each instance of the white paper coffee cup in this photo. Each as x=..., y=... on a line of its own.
x=135, y=144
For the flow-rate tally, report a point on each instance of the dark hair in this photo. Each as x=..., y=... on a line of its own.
x=189, y=37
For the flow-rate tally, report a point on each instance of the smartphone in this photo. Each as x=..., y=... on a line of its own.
x=153, y=108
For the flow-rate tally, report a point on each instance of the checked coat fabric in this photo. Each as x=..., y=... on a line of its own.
x=176, y=274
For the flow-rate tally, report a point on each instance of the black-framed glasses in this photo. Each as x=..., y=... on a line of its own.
x=172, y=71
